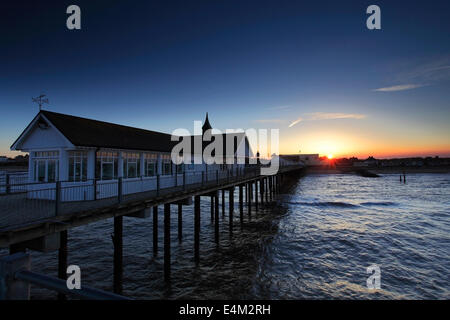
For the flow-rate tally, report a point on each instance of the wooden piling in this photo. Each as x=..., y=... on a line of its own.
x=216, y=217
x=197, y=229
x=261, y=191
x=249, y=203
x=62, y=260
x=223, y=203
x=231, y=205
x=241, y=205
x=256, y=195
x=167, y=242
x=180, y=222
x=155, y=231
x=118, y=254
x=212, y=208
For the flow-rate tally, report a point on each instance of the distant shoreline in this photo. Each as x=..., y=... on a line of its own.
x=378, y=170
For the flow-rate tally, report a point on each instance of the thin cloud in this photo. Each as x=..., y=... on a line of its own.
x=295, y=122
x=401, y=87
x=315, y=116
x=332, y=116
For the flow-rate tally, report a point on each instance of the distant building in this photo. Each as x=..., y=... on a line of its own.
x=306, y=159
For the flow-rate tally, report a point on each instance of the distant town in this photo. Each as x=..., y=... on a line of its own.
x=310, y=160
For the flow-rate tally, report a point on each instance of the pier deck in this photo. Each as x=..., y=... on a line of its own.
x=23, y=219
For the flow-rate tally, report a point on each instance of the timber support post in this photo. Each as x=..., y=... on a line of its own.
x=231, y=204
x=197, y=229
x=118, y=254
x=155, y=231
x=216, y=217
x=223, y=202
x=167, y=242
x=241, y=205
x=256, y=195
x=62, y=260
x=180, y=222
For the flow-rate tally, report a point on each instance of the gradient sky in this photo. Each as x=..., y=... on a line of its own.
x=309, y=68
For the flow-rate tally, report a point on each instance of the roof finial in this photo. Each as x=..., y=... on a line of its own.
x=206, y=125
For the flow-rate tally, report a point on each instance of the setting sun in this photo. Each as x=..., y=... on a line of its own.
x=330, y=156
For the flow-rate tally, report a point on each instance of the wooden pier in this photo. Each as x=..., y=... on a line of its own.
x=254, y=191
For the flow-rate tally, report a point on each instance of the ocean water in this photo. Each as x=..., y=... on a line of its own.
x=315, y=242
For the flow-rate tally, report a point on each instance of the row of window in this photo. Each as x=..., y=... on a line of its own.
x=46, y=165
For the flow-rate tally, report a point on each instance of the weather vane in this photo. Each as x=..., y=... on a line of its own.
x=40, y=100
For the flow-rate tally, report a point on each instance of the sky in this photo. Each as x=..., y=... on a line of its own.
x=311, y=69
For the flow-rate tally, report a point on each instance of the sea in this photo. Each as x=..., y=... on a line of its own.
x=322, y=238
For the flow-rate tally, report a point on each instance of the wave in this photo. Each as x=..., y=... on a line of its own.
x=326, y=204
x=378, y=203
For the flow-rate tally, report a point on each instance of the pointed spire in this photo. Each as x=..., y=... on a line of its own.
x=206, y=124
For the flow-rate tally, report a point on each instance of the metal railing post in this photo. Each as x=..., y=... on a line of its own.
x=157, y=184
x=176, y=175
x=217, y=177
x=8, y=186
x=120, y=189
x=57, y=197
x=95, y=189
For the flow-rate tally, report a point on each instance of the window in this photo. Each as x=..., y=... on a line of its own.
x=46, y=166
x=131, y=165
x=151, y=164
x=77, y=166
x=106, y=166
x=166, y=164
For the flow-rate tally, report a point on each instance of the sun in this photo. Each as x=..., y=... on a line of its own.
x=330, y=156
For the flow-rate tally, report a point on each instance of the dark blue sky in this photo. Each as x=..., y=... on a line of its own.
x=162, y=64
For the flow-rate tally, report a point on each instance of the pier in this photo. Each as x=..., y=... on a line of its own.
x=42, y=225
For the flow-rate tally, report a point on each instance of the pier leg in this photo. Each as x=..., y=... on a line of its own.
x=180, y=222
x=241, y=205
x=62, y=260
x=231, y=204
x=256, y=195
x=270, y=188
x=223, y=203
x=212, y=208
x=167, y=242
x=155, y=231
x=266, y=189
x=118, y=254
x=261, y=191
x=249, y=203
x=197, y=229
x=216, y=217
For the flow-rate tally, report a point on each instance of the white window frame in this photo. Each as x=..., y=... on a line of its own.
x=46, y=157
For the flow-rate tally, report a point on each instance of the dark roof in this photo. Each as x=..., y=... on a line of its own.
x=93, y=133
